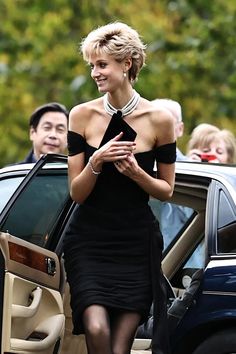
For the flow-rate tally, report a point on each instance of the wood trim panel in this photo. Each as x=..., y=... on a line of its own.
x=30, y=258
x=30, y=261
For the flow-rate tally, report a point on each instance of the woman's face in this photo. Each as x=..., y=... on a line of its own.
x=218, y=148
x=106, y=72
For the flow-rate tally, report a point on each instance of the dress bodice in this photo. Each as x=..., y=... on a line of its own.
x=115, y=191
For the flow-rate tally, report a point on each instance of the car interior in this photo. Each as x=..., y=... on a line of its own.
x=33, y=313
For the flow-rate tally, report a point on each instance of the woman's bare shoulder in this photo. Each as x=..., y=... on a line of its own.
x=85, y=108
x=81, y=114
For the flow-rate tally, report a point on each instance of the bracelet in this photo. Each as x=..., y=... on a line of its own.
x=91, y=166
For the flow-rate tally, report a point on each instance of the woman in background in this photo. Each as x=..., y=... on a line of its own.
x=211, y=144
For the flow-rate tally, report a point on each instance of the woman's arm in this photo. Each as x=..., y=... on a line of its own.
x=81, y=180
x=161, y=187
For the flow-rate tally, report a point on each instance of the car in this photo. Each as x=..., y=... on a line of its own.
x=199, y=262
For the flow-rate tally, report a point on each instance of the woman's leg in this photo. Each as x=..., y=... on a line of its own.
x=97, y=330
x=123, y=329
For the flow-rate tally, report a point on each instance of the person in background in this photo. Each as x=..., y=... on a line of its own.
x=48, y=131
x=176, y=110
x=113, y=246
x=210, y=144
x=171, y=217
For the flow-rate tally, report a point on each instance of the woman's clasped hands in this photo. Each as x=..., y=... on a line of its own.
x=120, y=153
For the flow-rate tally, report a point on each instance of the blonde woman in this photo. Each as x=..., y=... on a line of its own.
x=113, y=247
x=210, y=144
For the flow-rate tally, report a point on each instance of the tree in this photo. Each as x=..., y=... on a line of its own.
x=190, y=58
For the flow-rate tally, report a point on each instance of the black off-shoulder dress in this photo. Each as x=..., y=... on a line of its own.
x=113, y=246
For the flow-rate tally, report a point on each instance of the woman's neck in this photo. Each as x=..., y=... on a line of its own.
x=121, y=98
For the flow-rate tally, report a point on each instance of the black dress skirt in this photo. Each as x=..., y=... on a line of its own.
x=113, y=247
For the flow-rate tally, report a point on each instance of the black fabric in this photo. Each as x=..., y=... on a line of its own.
x=181, y=304
x=166, y=153
x=176, y=310
x=117, y=125
x=30, y=158
x=113, y=250
x=75, y=142
x=107, y=260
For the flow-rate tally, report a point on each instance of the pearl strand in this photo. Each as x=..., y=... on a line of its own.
x=127, y=109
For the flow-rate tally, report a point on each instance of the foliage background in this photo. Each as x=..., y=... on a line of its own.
x=191, y=57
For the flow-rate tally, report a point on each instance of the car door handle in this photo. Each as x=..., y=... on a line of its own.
x=28, y=311
x=52, y=327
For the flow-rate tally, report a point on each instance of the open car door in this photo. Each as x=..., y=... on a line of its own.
x=31, y=281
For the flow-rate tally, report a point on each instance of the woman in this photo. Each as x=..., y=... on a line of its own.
x=113, y=247
x=210, y=144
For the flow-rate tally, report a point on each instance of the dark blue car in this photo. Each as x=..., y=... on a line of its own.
x=199, y=260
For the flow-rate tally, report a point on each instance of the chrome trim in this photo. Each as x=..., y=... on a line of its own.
x=219, y=262
x=221, y=293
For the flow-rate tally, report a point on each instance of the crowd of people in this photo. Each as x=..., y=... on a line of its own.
x=111, y=179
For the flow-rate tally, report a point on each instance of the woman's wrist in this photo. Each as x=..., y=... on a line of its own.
x=138, y=175
x=94, y=168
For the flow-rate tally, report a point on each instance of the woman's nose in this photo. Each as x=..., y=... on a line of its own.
x=95, y=72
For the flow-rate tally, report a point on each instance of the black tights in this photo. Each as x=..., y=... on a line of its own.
x=106, y=337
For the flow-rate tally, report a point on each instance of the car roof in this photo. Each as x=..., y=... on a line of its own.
x=206, y=167
x=28, y=166
x=17, y=167
x=209, y=170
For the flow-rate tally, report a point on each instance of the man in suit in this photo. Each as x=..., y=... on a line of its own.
x=48, y=131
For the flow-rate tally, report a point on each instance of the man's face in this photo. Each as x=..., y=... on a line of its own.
x=50, y=136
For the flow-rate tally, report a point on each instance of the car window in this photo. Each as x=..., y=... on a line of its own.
x=34, y=213
x=173, y=219
x=197, y=259
x=194, y=262
x=226, y=227
x=7, y=188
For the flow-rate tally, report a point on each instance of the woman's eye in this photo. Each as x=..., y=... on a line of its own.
x=103, y=65
x=219, y=151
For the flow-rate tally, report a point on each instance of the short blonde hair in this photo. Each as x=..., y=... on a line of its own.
x=202, y=136
x=204, y=129
x=118, y=40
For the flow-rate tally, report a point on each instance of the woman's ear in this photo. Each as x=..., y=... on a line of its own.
x=128, y=63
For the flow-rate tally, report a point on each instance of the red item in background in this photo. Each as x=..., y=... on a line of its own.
x=207, y=157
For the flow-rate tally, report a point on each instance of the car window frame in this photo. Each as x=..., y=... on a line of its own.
x=50, y=158
x=212, y=225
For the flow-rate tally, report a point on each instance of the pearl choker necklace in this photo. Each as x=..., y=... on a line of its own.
x=127, y=109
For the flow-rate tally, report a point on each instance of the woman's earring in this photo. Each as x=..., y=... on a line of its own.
x=125, y=74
